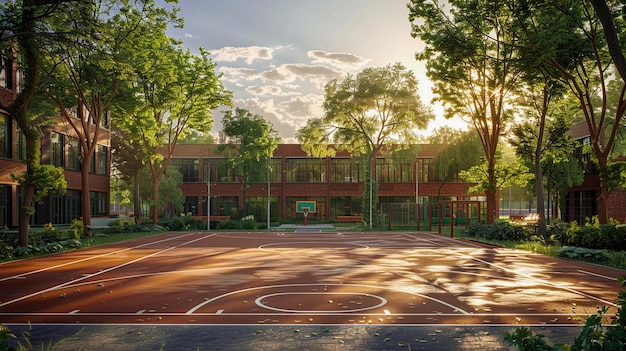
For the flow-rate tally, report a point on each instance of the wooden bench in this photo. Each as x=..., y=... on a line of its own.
x=349, y=218
x=531, y=219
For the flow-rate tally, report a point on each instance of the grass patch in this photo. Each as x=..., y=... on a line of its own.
x=616, y=259
x=103, y=239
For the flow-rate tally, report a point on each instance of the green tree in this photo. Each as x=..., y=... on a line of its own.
x=542, y=143
x=568, y=36
x=509, y=171
x=127, y=157
x=171, y=197
x=378, y=108
x=168, y=93
x=248, y=141
x=457, y=151
x=24, y=33
x=472, y=67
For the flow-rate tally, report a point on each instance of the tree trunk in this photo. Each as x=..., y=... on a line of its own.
x=137, y=199
x=26, y=213
x=492, y=200
x=154, y=208
x=85, y=198
x=19, y=111
x=542, y=229
x=603, y=215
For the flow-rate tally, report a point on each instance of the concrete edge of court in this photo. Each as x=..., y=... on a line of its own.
x=280, y=337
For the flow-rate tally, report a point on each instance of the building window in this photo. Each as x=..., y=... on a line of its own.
x=425, y=170
x=92, y=163
x=5, y=136
x=345, y=170
x=218, y=169
x=102, y=159
x=393, y=171
x=191, y=205
x=259, y=174
x=222, y=206
x=72, y=202
x=5, y=205
x=21, y=145
x=56, y=150
x=188, y=167
x=74, y=154
x=6, y=68
x=306, y=170
x=98, y=203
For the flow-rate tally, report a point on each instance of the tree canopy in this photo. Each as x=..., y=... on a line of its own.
x=379, y=107
x=248, y=141
x=168, y=92
x=472, y=65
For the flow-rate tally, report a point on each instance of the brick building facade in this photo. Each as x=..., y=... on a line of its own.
x=335, y=183
x=582, y=200
x=59, y=146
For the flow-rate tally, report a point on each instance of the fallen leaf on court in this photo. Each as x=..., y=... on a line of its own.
x=296, y=330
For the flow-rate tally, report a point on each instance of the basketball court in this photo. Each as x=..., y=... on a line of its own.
x=303, y=278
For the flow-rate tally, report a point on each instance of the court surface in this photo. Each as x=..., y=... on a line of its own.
x=275, y=278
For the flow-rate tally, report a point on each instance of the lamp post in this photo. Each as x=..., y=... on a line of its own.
x=208, y=202
x=269, y=173
x=371, y=190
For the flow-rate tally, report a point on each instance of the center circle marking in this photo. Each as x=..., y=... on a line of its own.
x=260, y=303
x=307, y=245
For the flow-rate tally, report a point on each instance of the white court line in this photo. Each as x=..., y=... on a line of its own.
x=597, y=275
x=528, y=276
x=71, y=282
x=205, y=302
x=22, y=275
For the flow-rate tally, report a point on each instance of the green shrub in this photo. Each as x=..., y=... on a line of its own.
x=557, y=232
x=583, y=254
x=229, y=225
x=248, y=224
x=178, y=223
x=500, y=230
x=78, y=228
x=593, y=236
x=6, y=250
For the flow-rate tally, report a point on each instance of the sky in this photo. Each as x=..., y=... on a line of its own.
x=277, y=55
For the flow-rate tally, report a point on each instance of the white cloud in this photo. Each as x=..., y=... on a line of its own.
x=237, y=72
x=268, y=90
x=249, y=53
x=344, y=61
x=288, y=73
x=305, y=106
x=286, y=116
